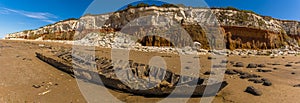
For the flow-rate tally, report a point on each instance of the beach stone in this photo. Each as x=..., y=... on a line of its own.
x=293, y=73
x=251, y=65
x=262, y=70
x=219, y=66
x=224, y=61
x=258, y=81
x=261, y=65
x=41, y=45
x=239, y=64
x=266, y=70
x=239, y=71
x=211, y=58
x=208, y=73
x=187, y=67
x=255, y=80
x=254, y=76
x=267, y=83
x=297, y=85
x=230, y=72
x=36, y=86
x=265, y=79
x=269, y=63
x=251, y=79
x=231, y=62
x=259, y=70
x=275, y=64
x=245, y=76
x=288, y=65
x=275, y=68
x=254, y=91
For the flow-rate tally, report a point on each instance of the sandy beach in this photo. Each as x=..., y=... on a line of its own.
x=25, y=78
x=20, y=70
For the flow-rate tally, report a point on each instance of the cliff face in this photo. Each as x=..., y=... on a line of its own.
x=239, y=29
x=251, y=38
x=292, y=28
x=63, y=30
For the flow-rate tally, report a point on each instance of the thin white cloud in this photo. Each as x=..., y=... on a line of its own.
x=43, y=16
x=49, y=21
x=4, y=12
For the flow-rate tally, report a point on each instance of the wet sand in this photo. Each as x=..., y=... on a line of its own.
x=20, y=70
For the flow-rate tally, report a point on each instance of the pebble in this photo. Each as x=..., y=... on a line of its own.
x=208, y=73
x=288, y=65
x=239, y=71
x=244, y=76
x=261, y=65
x=36, y=86
x=247, y=75
x=211, y=58
x=275, y=64
x=187, y=68
x=251, y=65
x=230, y=72
x=265, y=79
x=43, y=93
x=256, y=80
x=262, y=70
x=254, y=76
x=239, y=64
x=219, y=66
x=254, y=91
x=297, y=85
x=224, y=61
x=41, y=45
x=267, y=83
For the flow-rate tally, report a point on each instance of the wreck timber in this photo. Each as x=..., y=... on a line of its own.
x=139, y=79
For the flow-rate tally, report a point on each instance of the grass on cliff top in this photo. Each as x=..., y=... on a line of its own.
x=139, y=5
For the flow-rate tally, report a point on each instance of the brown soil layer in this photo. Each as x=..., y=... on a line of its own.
x=250, y=38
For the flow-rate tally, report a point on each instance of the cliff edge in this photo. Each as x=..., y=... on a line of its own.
x=240, y=29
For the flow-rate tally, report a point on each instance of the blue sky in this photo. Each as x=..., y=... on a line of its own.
x=31, y=14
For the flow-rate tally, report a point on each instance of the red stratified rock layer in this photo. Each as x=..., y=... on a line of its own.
x=250, y=38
